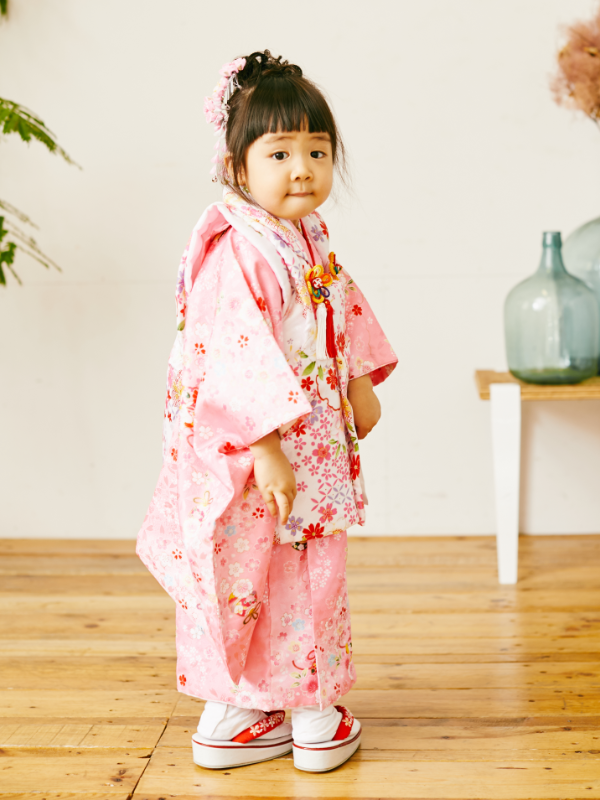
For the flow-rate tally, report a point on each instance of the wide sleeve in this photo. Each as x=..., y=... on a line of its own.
x=370, y=351
x=246, y=389
x=236, y=387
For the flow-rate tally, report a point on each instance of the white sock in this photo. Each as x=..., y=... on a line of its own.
x=311, y=725
x=222, y=721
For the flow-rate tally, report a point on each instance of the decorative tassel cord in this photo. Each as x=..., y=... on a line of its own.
x=321, y=331
x=331, y=350
x=325, y=332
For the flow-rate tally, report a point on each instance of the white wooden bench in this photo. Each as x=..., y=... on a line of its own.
x=506, y=394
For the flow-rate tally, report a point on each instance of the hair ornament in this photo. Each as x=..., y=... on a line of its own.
x=216, y=107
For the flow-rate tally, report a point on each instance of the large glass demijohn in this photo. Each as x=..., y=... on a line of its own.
x=551, y=323
x=581, y=254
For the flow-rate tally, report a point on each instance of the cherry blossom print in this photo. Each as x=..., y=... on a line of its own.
x=327, y=513
x=322, y=453
x=241, y=545
x=306, y=384
x=317, y=233
x=332, y=379
x=354, y=466
x=313, y=531
x=356, y=310
x=199, y=349
x=293, y=397
x=317, y=411
x=177, y=554
x=299, y=431
x=294, y=525
x=302, y=486
x=260, y=302
x=258, y=513
x=235, y=569
x=174, y=453
x=242, y=588
x=205, y=432
x=243, y=341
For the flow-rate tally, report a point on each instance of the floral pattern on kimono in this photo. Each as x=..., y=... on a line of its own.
x=301, y=650
x=235, y=374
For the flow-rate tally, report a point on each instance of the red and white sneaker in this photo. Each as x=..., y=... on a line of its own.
x=248, y=747
x=323, y=756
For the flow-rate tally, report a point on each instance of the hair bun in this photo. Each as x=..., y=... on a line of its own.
x=262, y=63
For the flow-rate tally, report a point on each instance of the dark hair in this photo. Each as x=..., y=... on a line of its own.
x=275, y=96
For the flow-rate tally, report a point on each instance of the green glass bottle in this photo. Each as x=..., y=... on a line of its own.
x=551, y=323
x=581, y=254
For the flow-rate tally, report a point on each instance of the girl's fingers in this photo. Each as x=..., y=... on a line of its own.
x=270, y=503
x=285, y=506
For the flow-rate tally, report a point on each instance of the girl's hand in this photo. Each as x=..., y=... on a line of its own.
x=274, y=476
x=365, y=405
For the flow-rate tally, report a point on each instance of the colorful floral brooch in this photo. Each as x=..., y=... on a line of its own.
x=318, y=282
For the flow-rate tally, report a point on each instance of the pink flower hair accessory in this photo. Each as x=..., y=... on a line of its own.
x=216, y=107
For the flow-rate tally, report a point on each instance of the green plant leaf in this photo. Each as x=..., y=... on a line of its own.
x=16, y=239
x=320, y=371
x=3, y=12
x=17, y=213
x=15, y=118
x=303, y=354
x=310, y=368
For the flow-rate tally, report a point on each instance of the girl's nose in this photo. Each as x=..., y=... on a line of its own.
x=301, y=170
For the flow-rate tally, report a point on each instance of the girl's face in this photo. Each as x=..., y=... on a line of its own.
x=290, y=174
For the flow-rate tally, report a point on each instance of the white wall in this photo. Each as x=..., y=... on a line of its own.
x=460, y=159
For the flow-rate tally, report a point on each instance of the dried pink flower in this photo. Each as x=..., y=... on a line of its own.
x=577, y=82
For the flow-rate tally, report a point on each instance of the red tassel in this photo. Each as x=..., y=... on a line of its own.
x=331, y=349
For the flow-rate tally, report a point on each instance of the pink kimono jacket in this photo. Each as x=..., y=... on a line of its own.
x=262, y=609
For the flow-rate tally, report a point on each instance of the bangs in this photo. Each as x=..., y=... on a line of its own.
x=285, y=106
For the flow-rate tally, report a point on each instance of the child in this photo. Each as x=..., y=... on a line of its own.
x=270, y=385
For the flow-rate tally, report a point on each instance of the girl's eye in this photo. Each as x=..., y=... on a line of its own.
x=318, y=154
x=279, y=156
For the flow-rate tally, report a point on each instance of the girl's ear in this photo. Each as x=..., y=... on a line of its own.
x=241, y=177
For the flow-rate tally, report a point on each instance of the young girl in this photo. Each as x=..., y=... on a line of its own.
x=270, y=385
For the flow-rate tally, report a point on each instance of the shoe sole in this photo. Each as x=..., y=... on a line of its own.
x=214, y=754
x=312, y=758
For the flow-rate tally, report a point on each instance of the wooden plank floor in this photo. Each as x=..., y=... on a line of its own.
x=466, y=689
